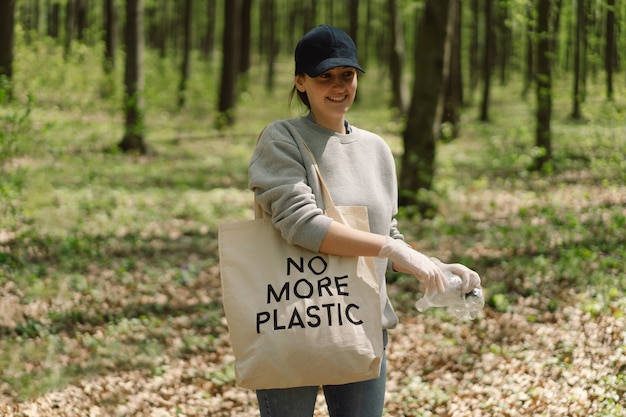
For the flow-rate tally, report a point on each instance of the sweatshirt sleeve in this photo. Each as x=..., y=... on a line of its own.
x=278, y=176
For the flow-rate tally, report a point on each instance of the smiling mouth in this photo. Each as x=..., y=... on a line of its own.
x=337, y=99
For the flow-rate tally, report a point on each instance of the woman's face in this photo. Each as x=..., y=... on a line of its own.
x=330, y=94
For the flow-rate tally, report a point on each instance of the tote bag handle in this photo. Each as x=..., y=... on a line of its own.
x=259, y=213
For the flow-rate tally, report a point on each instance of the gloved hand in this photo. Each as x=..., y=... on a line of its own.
x=407, y=259
x=470, y=278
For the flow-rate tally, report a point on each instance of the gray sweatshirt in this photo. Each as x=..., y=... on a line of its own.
x=358, y=169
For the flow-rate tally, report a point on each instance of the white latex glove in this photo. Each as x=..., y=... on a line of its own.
x=470, y=278
x=407, y=259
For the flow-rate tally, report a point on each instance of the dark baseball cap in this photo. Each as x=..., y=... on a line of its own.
x=323, y=48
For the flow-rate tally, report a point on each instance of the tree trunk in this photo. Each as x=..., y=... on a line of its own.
x=584, y=52
x=246, y=35
x=309, y=15
x=353, y=14
x=396, y=61
x=70, y=26
x=161, y=27
x=25, y=20
x=53, y=20
x=487, y=60
x=81, y=19
x=268, y=13
x=110, y=27
x=473, y=54
x=580, y=10
x=230, y=64
x=544, y=85
x=529, y=62
x=504, y=49
x=185, y=64
x=609, y=48
x=422, y=128
x=208, y=41
x=133, y=140
x=454, y=86
x=7, y=39
x=366, y=40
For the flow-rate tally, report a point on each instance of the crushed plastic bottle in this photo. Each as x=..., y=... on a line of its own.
x=462, y=305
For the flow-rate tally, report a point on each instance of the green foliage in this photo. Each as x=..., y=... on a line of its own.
x=15, y=123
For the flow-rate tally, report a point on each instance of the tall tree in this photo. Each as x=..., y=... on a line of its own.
x=70, y=26
x=487, y=60
x=353, y=14
x=7, y=25
x=231, y=52
x=208, y=40
x=578, y=39
x=82, y=21
x=396, y=62
x=432, y=50
x=529, y=39
x=110, y=27
x=584, y=66
x=110, y=44
x=609, y=48
x=133, y=140
x=245, y=36
x=504, y=38
x=185, y=67
x=474, y=66
x=546, y=11
x=268, y=40
x=454, y=87
x=54, y=13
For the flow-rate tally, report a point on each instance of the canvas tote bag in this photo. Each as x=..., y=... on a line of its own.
x=296, y=317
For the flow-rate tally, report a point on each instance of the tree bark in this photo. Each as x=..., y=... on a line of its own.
x=185, y=67
x=454, y=86
x=231, y=44
x=110, y=26
x=110, y=40
x=580, y=10
x=353, y=14
x=474, y=67
x=133, y=140
x=70, y=26
x=543, y=134
x=245, y=36
x=53, y=20
x=7, y=39
x=504, y=49
x=396, y=61
x=422, y=128
x=487, y=61
x=609, y=48
x=268, y=38
x=82, y=22
x=208, y=40
x=529, y=70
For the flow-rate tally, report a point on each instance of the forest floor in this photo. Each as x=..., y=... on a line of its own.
x=110, y=300
x=565, y=363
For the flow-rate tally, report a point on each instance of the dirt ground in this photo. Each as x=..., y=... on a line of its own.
x=523, y=363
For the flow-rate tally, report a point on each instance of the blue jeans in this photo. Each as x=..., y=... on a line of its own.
x=358, y=399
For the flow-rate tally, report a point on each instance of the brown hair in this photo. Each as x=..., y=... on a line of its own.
x=304, y=99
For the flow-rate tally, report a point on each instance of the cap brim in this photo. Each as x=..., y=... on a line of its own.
x=331, y=63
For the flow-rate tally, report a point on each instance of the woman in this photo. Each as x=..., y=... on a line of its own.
x=359, y=169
